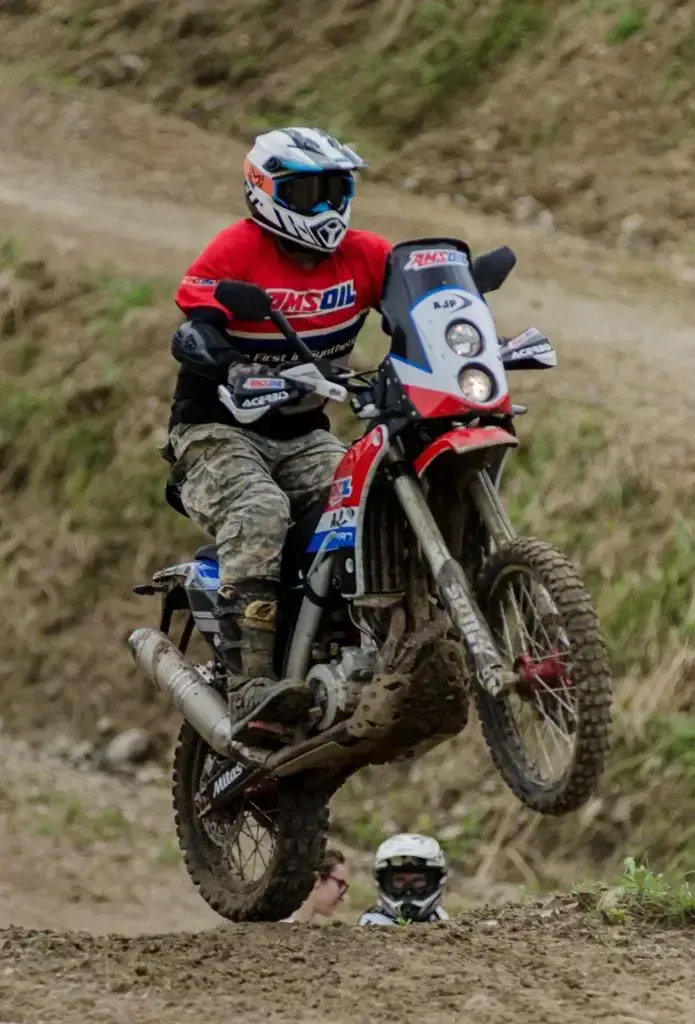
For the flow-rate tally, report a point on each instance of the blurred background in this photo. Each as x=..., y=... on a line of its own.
x=564, y=129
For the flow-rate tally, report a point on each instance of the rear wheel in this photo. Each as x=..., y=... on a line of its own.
x=549, y=735
x=255, y=860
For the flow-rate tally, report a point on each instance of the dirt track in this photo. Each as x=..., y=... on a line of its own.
x=545, y=966
x=145, y=192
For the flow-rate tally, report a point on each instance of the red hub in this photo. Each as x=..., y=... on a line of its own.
x=551, y=670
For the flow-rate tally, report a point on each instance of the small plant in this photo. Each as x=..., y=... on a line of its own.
x=628, y=24
x=118, y=296
x=169, y=852
x=9, y=252
x=642, y=895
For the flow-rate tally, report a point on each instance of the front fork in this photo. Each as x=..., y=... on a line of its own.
x=452, y=582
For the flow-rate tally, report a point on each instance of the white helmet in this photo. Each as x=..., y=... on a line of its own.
x=299, y=185
x=410, y=872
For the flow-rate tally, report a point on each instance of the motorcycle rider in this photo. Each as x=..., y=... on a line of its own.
x=241, y=484
x=410, y=872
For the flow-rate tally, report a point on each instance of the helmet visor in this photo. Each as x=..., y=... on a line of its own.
x=409, y=882
x=315, y=193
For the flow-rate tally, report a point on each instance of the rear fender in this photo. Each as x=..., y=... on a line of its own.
x=172, y=576
x=464, y=441
x=169, y=583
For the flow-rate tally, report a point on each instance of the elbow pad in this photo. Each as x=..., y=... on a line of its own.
x=203, y=348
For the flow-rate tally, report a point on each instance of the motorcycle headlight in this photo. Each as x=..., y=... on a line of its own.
x=464, y=339
x=476, y=384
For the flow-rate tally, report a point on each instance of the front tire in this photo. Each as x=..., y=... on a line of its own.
x=566, y=684
x=291, y=812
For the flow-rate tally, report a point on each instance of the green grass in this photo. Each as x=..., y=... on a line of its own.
x=86, y=394
x=443, y=52
x=635, y=546
x=630, y=21
x=66, y=817
x=641, y=895
x=120, y=295
x=169, y=853
x=81, y=18
x=383, y=71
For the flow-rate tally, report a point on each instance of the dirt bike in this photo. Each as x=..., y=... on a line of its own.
x=406, y=595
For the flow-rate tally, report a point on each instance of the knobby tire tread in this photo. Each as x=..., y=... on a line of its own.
x=590, y=673
x=302, y=825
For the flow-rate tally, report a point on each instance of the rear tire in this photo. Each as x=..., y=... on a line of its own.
x=292, y=811
x=584, y=679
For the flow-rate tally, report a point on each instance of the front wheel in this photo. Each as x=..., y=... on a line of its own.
x=549, y=735
x=254, y=860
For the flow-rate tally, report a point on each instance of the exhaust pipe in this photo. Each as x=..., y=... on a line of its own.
x=205, y=710
x=187, y=690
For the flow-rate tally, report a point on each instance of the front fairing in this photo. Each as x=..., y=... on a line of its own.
x=429, y=284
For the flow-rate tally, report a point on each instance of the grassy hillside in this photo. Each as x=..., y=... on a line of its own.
x=583, y=106
x=87, y=380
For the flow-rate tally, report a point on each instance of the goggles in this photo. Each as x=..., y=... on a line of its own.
x=414, y=883
x=315, y=193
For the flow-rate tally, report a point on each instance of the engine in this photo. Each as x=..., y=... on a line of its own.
x=337, y=685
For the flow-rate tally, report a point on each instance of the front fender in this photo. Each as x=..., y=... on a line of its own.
x=463, y=440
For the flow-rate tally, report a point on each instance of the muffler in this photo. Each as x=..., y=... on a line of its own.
x=187, y=690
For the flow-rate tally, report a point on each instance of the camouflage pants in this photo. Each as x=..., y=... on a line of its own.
x=245, y=490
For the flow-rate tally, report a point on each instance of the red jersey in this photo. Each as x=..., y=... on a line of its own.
x=326, y=304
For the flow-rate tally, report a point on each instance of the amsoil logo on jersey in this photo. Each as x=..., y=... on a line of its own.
x=435, y=258
x=340, y=296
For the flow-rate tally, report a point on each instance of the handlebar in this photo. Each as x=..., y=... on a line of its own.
x=281, y=322
x=342, y=375
x=333, y=374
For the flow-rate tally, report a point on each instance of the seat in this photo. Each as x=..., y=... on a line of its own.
x=208, y=551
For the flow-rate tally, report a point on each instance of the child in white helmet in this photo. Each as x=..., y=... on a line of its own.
x=410, y=873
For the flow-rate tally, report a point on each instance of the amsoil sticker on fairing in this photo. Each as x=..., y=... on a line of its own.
x=425, y=258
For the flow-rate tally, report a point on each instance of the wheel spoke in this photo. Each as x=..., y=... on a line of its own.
x=253, y=858
x=239, y=833
x=549, y=732
x=539, y=710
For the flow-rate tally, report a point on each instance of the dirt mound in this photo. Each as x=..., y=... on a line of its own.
x=69, y=836
x=582, y=111
x=521, y=966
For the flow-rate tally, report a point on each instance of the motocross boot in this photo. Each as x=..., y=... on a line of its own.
x=247, y=642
